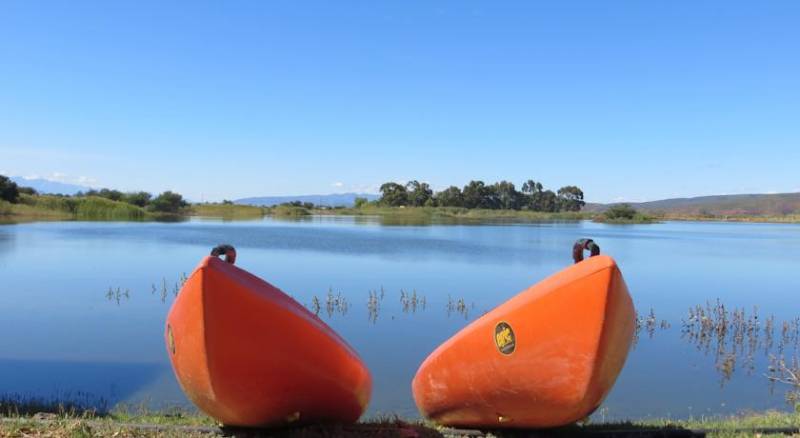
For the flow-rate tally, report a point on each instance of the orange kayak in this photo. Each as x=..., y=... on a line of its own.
x=249, y=355
x=545, y=358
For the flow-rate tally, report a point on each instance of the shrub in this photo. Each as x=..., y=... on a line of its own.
x=620, y=212
x=8, y=190
x=168, y=202
x=360, y=202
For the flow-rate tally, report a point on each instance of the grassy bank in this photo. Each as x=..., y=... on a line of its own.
x=227, y=211
x=450, y=213
x=178, y=423
x=784, y=219
x=44, y=207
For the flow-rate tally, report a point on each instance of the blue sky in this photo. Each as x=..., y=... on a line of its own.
x=628, y=100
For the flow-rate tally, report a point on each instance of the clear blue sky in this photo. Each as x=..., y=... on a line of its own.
x=635, y=100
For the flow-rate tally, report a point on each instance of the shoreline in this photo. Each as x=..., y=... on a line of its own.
x=22, y=213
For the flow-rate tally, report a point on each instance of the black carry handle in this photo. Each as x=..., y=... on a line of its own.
x=584, y=244
x=228, y=250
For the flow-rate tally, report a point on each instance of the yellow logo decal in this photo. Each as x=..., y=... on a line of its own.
x=504, y=338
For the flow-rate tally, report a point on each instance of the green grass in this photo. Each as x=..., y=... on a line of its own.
x=736, y=425
x=227, y=211
x=176, y=422
x=638, y=218
x=44, y=207
x=288, y=211
x=402, y=214
x=780, y=219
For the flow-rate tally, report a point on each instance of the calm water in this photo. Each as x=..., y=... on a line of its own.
x=62, y=332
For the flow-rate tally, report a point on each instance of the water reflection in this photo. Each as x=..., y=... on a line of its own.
x=736, y=338
x=56, y=277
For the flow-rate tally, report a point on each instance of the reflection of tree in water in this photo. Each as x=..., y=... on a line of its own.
x=7, y=242
x=737, y=338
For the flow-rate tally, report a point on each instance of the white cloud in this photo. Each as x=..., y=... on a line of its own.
x=86, y=180
x=338, y=184
x=58, y=176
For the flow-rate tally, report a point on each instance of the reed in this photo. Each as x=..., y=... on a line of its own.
x=228, y=211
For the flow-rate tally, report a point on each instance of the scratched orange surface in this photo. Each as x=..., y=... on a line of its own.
x=546, y=357
x=249, y=355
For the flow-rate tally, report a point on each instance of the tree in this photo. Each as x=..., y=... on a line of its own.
x=360, y=202
x=450, y=197
x=507, y=196
x=8, y=189
x=393, y=195
x=418, y=193
x=114, y=195
x=530, y=187
x=140, y=199
x=547, y=201
x=475, y=194
x=27, y=191
x=570, y=198
x=168, y=202
x=532, y=195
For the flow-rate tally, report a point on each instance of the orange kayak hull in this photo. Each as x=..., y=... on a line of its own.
x=249, y=355
x=545, y=358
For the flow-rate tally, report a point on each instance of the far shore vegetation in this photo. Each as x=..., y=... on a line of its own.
x=410, y=203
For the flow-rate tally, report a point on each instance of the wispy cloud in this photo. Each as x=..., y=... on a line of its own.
x=338, y=184
x=62, y=177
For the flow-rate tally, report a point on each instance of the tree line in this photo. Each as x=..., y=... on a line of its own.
x=501, y=195
x=166, y=202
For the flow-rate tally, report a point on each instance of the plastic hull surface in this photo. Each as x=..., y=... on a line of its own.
x=545, y=358
x=249, y=355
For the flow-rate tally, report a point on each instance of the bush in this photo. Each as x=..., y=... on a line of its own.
x=168, y=202
x=620, y=212
x=27, y=191
x=360, y=202
x=289, y=211
x=8, y=190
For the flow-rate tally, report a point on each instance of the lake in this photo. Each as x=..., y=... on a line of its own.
x=82, y=304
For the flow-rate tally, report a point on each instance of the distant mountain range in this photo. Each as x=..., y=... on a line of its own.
x=747, y=205
x=334, y=200
x=50, y=187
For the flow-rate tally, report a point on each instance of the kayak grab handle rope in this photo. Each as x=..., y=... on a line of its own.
x=224, y=249
x=582, y=245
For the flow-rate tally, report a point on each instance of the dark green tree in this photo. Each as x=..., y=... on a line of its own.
x=450, y=197
x=547, y=201
x=27, y=191
x=570, y=198
x=114, y=195
x=507, y=196
x=8, y=189
x=418, y=193
x=168, y=202
x=476, y=195
x=393, y=195
x=532, y=195
x=140, y=199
